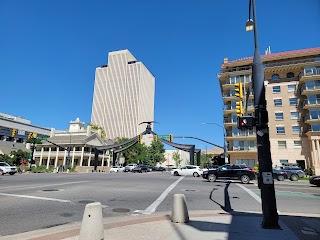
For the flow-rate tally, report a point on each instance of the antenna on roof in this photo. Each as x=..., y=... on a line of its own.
x=268, y=50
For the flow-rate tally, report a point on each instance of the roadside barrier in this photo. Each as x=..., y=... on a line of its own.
x=179, y=209
x=92, y=224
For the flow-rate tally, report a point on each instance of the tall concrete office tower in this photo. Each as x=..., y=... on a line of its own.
x=123, y=96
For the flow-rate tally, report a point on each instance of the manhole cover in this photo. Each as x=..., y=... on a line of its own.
x=50, y=190
x=85, y=201
x=121, y=210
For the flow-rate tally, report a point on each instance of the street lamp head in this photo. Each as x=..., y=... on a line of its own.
x=249, y=25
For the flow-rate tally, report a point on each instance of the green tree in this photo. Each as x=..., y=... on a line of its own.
x=96, y=127
x=205, y=160
x=155, y=153
x=135, y=154
x=176, y=158
x=18, y=155
x=6, y=158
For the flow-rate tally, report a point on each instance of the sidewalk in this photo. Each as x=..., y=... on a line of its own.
x=203, y=225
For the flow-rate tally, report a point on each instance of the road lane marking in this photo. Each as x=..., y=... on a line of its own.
x=34, y=197
x=255, y=196
x=39, y=186
x=152, y=208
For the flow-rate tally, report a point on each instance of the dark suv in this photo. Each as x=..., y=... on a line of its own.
x=237, y=171
x=293, y=172
x=140, y=169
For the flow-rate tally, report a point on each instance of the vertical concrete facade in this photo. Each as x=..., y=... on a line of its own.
x=123, y=96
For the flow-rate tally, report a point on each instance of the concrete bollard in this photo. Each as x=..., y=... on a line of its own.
x=179, y=209
x=92, y=224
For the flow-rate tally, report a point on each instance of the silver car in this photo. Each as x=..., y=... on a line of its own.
x=6, y=168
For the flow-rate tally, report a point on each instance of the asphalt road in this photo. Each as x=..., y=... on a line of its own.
x=38, y=201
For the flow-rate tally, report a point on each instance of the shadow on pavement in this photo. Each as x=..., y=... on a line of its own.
x=246, y=225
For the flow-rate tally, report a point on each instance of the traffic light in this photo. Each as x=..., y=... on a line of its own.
x=246, y=122
x=170, y=137
x=30, y=135
x=238, y=89
x=239, y=108
x=140, y=138
x=14, y=132
x=155, y=138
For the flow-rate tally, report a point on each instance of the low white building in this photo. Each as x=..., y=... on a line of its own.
x=81, y=141
x=170, y=162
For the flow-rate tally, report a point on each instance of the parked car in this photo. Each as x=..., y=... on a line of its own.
x=315, y=180
x=293, y=172
x=279, y=174
x=161, y=169
x=140, y=169
x=129, y=167
x=116, y=169
x=188, y=170
x=237, y=171
x=6, y=168
x=150, y=168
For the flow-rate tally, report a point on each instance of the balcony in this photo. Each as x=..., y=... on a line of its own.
x=242, y=149
x=312, y=73
x=304, y=90
x=241, y=135
x=311, y=119
x=289, y=62
x=309, y=104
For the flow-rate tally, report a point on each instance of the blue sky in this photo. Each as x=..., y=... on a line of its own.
x=50, y=49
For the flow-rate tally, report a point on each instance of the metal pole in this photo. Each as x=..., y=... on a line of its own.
x=265, y=181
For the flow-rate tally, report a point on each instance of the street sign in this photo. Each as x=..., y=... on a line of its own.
x=163, y=136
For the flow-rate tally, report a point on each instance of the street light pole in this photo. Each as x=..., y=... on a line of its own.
x=265, y=180
x=224, y=141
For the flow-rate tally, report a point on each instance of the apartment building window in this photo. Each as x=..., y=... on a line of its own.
x=279, y=115
x=297, y=144
x=315, y=127
x=291, y=88
x=275, y=77
x=314, y=114
x=240, y=78
x=294, y=115
x=234, y=117
x=283, y=162
x=248, y=162
x=290, y=75
x=276, y=89
x=312, y=84
x=314, y=99
x=281, y=130
x=293, y=101
x=277, y=102
x=282, y=144
x=295, y=129
x=243, y=145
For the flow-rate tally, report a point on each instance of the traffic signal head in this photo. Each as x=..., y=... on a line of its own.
x=239, y=109
x=155, y=138
x=246, y=122
x=140, y=138
x=30, y=135
x=14, y=132
x=239, y=90
x=170, y=137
